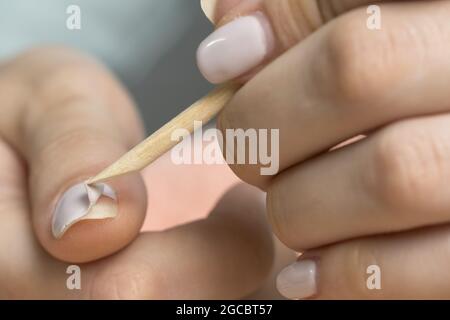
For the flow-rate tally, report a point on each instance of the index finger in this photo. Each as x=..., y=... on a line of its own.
x=252, y=33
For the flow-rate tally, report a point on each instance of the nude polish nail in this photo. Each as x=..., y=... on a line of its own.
x=83, y=202
x=298, y=281
x=235, y=48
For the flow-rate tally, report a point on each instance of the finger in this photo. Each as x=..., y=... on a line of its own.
x=282, y=257
x=225, y=256
x=16, y=233
x=412, y=265
x=252, y=33
x=214, y=9
x=69, y=119
x=396, y=179
x=346, y=80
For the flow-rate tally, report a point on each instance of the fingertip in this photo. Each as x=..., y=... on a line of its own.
x=111, y=224
x=216, y=9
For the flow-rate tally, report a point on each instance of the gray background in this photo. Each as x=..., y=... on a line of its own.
x=175, y=82
x=149, y=44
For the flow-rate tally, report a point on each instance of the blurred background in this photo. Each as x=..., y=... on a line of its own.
x=149, y=44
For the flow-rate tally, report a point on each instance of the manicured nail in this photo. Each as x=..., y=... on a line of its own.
x=83, y=202
x=298, y=281
x=235, y=48
x=209, y=8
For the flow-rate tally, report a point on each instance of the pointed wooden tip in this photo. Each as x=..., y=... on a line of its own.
x=160, y=142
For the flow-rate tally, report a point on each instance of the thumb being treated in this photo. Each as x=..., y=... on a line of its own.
x=251, y=33
x=69, y=119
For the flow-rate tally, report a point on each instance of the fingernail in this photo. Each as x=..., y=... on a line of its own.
x=298, y=281
x=83, y=202
x=209, y=8
x=235, y=48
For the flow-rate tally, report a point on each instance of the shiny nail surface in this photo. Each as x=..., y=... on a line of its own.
x=235, y=48
x=298, y=281
x=83, y=202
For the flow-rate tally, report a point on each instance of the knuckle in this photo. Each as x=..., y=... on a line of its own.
x=359, y=60
x=407, y=165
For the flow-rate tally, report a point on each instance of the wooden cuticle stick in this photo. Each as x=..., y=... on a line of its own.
x=160, y=142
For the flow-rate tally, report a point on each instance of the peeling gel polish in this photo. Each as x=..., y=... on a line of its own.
x=83, y=202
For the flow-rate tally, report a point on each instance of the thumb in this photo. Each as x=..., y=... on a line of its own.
x=69, y=118
x=251, y=33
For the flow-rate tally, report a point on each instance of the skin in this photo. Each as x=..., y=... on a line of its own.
x=386, y=199
x=64, y=117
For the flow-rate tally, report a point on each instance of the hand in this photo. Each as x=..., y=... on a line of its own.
x=320, y=76
x=64, y=117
